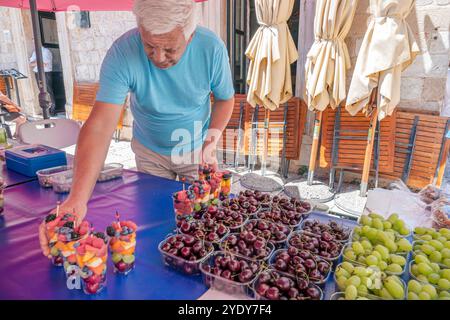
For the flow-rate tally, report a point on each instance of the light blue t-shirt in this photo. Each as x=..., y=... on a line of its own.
x=163, y=101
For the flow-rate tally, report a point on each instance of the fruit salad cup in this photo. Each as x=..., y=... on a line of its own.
x=225, y=185
x=66, y=235
x=204, y=172
x=122, y=245
x=183, y=202
x=201, y=189
x=91, y=257
x=215, y=182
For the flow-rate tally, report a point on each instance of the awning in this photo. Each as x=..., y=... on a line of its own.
x=271, y=52
x=387, y=49
x=328, y=59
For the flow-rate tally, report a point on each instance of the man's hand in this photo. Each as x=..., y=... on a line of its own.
x=67, y=207
x=209, y=156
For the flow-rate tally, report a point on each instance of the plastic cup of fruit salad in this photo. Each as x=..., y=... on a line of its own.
x=215, y=183
x=91, y=257
x=122, y=245
x=225, y=185
x=201, y=191
x=63, y=239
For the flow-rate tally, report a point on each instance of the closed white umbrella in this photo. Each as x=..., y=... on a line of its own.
x=387, y=49
x=327, y=63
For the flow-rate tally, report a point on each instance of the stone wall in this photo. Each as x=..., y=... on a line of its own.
x=423, y=83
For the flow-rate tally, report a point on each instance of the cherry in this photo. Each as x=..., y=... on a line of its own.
x=283, y=283
x=302, y=284
x=197, y=247
x=178, y=245
x=234, y=265
x=122, y=266
x=189, y=241
x=315, y=274
x=273, y=293
x=166, y=247
x=323, y=267
x=173, y=251
x=280, y=264
x=313, y=292
x=185, y=252
x=310, y=264
x=293, y=292
x=245, y=275
x=226, y=274
x=92, y=288
x=262, y=289
x=259, y=244
x=292, y=251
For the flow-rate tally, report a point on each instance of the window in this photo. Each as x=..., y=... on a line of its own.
x=241, y=26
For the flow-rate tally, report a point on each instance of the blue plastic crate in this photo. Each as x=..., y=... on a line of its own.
x=28, y=159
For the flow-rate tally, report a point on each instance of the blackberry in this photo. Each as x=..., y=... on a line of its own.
x=100, y=235
x=68, y=224
x=74, y=235
x=110, y=231
x=50, y=217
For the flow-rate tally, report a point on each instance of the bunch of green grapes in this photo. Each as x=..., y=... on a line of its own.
x=421, y=291
x=388, y=239
x=430, y=272
x=361, y=281
x=392, y=223
x=427, y=234
x=435, y=250
x=363, y=252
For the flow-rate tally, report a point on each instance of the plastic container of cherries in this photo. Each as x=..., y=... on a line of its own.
x=184, y=253
x=228, y=273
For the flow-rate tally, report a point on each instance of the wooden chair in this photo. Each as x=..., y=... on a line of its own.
x=84, y=94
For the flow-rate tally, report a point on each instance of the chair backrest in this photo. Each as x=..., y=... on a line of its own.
x=56, y=133
x=84, y=94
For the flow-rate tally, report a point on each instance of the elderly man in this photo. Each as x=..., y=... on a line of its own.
x=170, y=66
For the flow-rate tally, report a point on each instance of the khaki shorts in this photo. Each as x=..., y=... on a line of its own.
x=150, y=162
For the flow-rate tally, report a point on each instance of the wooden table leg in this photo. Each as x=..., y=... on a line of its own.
x=314, y=147
x=368, y=154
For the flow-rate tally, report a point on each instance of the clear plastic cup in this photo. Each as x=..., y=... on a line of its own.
x=225, y=185
x=123, y=246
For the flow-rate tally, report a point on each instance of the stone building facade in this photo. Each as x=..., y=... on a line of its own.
x=82, y=50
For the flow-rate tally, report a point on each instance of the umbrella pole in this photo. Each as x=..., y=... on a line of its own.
x=369, y=147
x=44, y=97
x=266, y=141
x=314, y=147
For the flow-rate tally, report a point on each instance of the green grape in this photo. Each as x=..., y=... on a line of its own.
x=377, y=254
x=362, y=298
x=383, y=251
x=445, y=253
x=414, y=286
x=444, y=294
x=428, y=288
x=390, y=244
x=424, y=296
x=435, y=267
x=419, y=230
x=375, y=215
x=421, y=258
x=341, y=272
x=357, y=230
x=445, y=273
x=436, y=244
x=377, y=224
x=427, y=249
x=362, y=291
x=426, y=237
x=436, y=256
x=447, y=244
x=387, y=225
x=371, y=260
x=351, y=293
x=383, y=265
x=394, y=288
x=357, y=248
x=394, y=268
x=444, y=231
x=444, y=298
x=361, y=259
x=415, y=269
x=341, y=282
x=350, y=255
x=391, y=235
x=392, y=218
x=366, y=245
x=442, y=240
x=424, y=269
x=399, y=224
x=446, y=262
x=433, y=278
x=353, y=280
x=413, y=296
x=365, y=230
x=404, y=231
x=444, y=284
x=360, y=271
x=366, y=221
x=422, y=278
x=384, y=293
x=347, y=266
x=404, y=245
x=397, y=259
x=372, y=235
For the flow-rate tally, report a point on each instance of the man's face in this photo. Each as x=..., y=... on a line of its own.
x=164, y=50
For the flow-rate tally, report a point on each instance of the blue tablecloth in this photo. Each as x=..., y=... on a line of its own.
x=26, y=274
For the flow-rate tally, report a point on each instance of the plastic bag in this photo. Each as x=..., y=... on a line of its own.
x=440, y=212
x=429, y=194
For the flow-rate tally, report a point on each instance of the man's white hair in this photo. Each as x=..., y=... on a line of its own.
x=162, y=16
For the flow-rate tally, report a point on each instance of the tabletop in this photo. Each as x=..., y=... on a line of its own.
x=145, y=199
